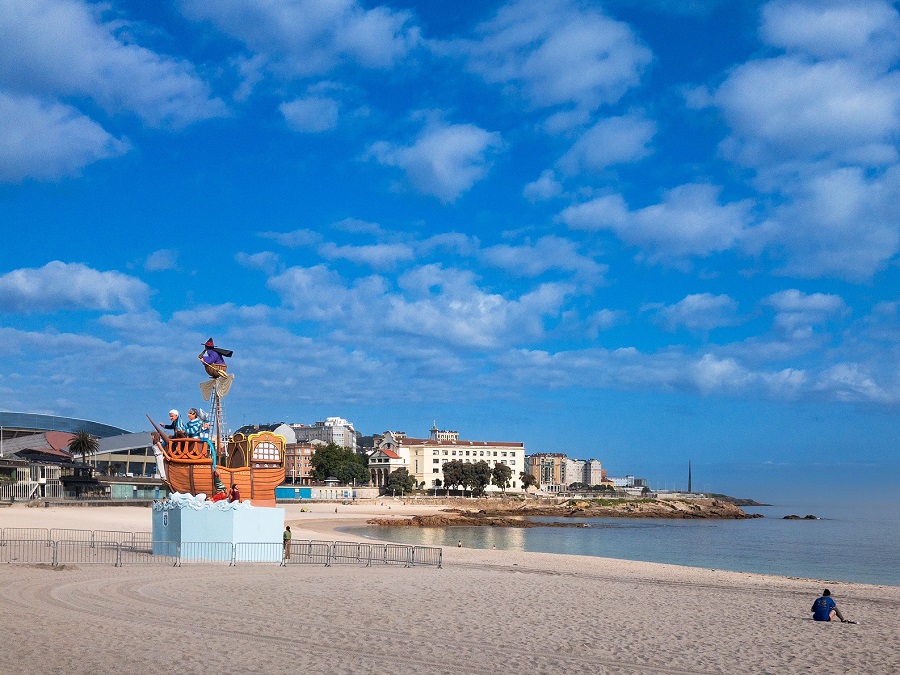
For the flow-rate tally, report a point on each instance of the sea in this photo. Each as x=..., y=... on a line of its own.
x=847, y=542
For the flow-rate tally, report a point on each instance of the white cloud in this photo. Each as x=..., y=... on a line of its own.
x=689, y=221
x=444, y=160
x=544, y=188
x=61, y=47
x=840, y=223
x=797, y=313
x=789, y=108
x=558, y=53
x=163, y=259
x=864, y=29
x=546, y=254
x=70, y=286
x=266, y=261
x=308, y=37
x=615, y=140
x=700, y=312
x=311, y=114
x=49, y=140
x=376, y=256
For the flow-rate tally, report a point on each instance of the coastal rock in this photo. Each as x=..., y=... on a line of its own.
x=517, y=515
x=806, y=517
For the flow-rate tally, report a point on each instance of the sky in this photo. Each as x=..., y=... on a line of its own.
x=643, y=231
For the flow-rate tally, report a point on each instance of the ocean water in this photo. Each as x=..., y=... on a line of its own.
x=848, y=543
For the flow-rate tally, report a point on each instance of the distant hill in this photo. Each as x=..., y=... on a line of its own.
x=737, y=501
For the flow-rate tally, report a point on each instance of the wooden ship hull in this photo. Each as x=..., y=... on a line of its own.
x=254, y=463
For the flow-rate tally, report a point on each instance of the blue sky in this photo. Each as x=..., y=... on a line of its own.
x=642, y=231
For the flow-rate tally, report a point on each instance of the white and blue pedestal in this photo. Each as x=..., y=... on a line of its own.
x=218, y=531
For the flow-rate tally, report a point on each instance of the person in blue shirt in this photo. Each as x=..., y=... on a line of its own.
x=825, y=608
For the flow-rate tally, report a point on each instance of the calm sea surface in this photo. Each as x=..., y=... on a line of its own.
x=849, y=543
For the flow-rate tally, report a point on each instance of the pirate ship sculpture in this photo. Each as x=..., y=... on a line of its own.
x=252, y=462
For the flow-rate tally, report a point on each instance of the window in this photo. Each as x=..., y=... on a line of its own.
x=436, y=460
x=481, y=453
x=495, y=453
x=503, y=454
x=445, y=452
x=435, y=470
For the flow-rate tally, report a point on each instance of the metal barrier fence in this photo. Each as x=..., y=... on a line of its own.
x=27, y=551
x=24, y=533
x=109, y=547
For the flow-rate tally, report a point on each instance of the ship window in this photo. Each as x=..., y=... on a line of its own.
x=266, y=452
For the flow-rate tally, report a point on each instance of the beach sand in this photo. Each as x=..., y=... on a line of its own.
x=484, y=612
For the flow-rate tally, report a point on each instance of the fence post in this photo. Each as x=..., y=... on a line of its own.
x=55, y=559
x=330, y=552
x=118, y=555
x=233, y=555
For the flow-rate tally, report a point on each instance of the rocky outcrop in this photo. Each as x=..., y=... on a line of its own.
x=806, y=517
x=517, y=515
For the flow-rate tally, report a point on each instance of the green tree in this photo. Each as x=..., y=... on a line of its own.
x=501, y=475
x=481, y=477
x=400, y=481
x=83, y=444
x=333, y=461
x=453, y=473
x=527, y=480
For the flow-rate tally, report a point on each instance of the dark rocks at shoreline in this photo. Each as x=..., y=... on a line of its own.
x=461, y=520
x=806, y=517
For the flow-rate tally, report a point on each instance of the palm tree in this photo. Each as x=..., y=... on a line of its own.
x=83, y=444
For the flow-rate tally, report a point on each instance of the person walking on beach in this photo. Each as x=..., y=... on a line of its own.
x=825, y=609
x=287, y=542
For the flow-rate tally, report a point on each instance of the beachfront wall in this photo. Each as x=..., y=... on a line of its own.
x=197, y=527
x=322, y=493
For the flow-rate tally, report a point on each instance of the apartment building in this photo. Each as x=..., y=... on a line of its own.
x=335, y=430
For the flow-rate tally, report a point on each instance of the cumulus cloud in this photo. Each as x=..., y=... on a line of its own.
x=844, y=28
x=544, y=188
x=45, y=140
x=163, y=259
x=615, y=140
x=376, y=256
x=311, y=114
x=546, y=254
x=439, y=307
x=445, y=160
x=308, y=37
x=70, y=286
x=62, y=48
x=788, y=108
x=266, y=261
x=840, y=223
x=558, y=53
x=700, y=312
x=690, y=221
x=797, y=313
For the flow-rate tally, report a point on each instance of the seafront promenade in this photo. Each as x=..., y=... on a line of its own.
x=484, y=612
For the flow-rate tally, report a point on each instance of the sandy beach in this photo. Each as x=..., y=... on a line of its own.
x=484, y=612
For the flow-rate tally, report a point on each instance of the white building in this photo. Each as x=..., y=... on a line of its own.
x=335, y=430
x=424, y=458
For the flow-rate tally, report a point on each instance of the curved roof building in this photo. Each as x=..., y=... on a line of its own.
x=14, y=424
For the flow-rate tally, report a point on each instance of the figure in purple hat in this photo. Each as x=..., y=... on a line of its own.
x=212, y=359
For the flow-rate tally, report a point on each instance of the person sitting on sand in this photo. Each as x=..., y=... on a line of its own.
x=825, y=608
x=221, y=492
